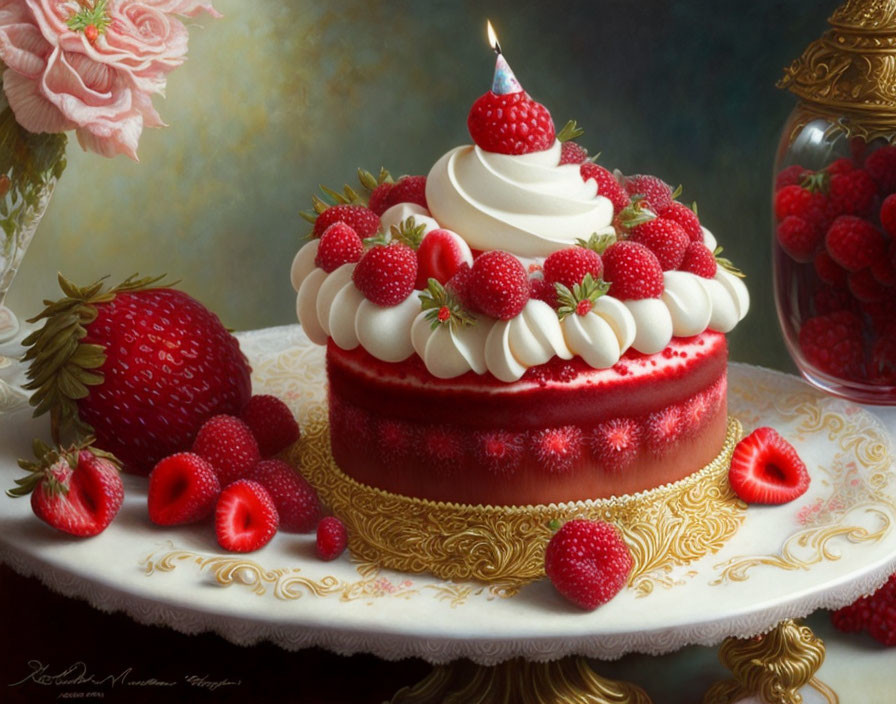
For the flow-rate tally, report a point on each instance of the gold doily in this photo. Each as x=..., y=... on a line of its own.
x=665, y=527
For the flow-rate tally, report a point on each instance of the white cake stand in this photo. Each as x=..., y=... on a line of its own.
x=833, y=545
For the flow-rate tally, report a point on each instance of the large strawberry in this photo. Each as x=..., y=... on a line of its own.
x=141, y=368
x=77, y=490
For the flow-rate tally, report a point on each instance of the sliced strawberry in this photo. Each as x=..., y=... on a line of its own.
x=766, y=469
x=183, y=488
x=440, y=255
x=245, y=517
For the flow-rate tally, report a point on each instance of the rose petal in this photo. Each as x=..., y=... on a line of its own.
x=32, y=110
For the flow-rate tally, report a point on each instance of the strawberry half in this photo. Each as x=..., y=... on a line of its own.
x=245, y=517
x=77, y=490
x=440, y=255
x=183, y=488
x=766, y=469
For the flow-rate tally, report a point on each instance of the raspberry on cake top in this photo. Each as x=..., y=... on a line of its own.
x=510, y=252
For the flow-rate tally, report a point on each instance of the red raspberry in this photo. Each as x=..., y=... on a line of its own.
x=656, y=192
x=379, y=197
x=569, y=266
x=183, y=488
x=833, y=343
x=588, y=562
x=881, y=165
x=864, y=287
x=828, y=299
x=245, y=517
x=296, y=500
x=852, y=193
x=271, y=422
x=500, y=451
x=572, y=153
x=228, y=445
x=360, y=218
x=662, y=430
x=853, y=242
x=332, y=538
x=386, y=273
x=557, y=449
x=828, y=270
x=607, y=185
x=633, y=270
x=810, y=205
x=842, y=165
x=339, y=244
x=543, y=291
x=876, y=613
x=685, y=217
x=459, y=285
x=616, y=443
x=499, y=286
x=884, y=271
x=510, y=124
x=798, y=238
x=665, y=238
x=699, y=260
x=408, y=189
x=888, y=214
x=790, y=176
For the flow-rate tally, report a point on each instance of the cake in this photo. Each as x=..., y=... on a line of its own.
x=521, y=338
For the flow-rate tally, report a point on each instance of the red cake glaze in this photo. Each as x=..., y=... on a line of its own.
x=564, y=432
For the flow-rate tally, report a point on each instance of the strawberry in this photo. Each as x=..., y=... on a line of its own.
x=228, y=445
x=607, y=185
x=408, y=189
x=271, y=422
x=833, y=343
x=332, y=538
x=853, y=242
x=295, y=499
x=685, y=217
x=439, y=256
x=499, y=286
x=828, y=270
x=379, y=197
x=766, y=469
x=881, y=166
x=699, y=260
x=500, y=451
x=665, y=238
x=339, y=244
x=572, y=153
x=459, y=285
x=888, y=214
x=140, y=368
x=77, y=490
x=245, y=516
x=656, y=192
x=875, y=613
x=512, y=123
x=852, y=193
x=358, y=217
x=569, y=266
x=633, y=270
x=386, y=273
x=588, y=562
x=558, y=449
x=798, y=238
x=183, y=488
x=615, y=443
x=543, y=291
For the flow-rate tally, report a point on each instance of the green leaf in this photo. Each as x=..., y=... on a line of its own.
x=570, y=131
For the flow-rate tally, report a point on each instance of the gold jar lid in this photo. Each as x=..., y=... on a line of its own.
x=849, y=73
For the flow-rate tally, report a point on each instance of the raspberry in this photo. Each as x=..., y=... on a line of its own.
x=766, y=469
x=572, y=153
x=358, y=217
x=408, y=189
x=569, y=266
x=499, y=286
x=888, y=214
x=607, y=185
x=616, y=443
x=656, y=192
x=852, y=193
x=633, y=270
x=865, y=287
x=798, y=238
x=245, y=517
x=296, y=501
x=339, y=244
x=685, y=217
x=854, y=243
x=662, y=429
x=842, y=165
x=833, y=343
x=665, y=238
x=881, y=166
x=386, y=273
x=828, y=299
x=807, y=203
x=558, y=449
x=332, y=538
x=699, y=260
x=876, y=613
x=543, y=291
x=790, y=176
x=884, y=271
x=588, y=562
x=510, y=124
x=828, y=270
x=271, y=422
x=182, y=489
x=500, y=451
x=228, y=445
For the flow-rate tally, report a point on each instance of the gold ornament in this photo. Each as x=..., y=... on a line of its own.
x=665, y=527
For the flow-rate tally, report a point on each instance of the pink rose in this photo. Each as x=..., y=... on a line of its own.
x=92, y=66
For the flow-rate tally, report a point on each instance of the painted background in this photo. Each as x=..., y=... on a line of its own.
x=280, y=96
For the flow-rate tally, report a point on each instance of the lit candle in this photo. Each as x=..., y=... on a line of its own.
x=504, y=81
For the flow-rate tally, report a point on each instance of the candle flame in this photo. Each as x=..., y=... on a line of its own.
x=492, y=37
